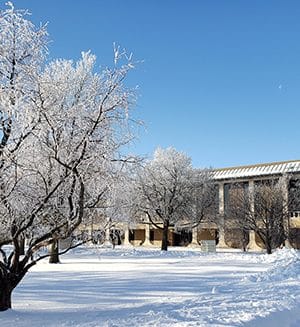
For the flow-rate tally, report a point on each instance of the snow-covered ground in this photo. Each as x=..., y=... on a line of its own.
x=145, y=287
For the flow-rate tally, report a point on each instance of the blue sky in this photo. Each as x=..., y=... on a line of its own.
x=220, y=79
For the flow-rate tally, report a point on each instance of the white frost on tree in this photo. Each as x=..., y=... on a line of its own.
x=62, y=127
x=170, y=193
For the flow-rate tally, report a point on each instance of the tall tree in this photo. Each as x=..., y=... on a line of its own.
x=62, y=126
x=170, y=193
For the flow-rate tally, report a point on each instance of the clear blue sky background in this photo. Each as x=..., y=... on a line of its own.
x=220, y=79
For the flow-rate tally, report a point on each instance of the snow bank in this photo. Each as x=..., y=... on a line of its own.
x=279, y=290
x=285, y=266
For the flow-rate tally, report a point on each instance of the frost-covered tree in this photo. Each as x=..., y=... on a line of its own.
x=62, y=125
x=107, y=218
x=170, y=193
x=163, y=189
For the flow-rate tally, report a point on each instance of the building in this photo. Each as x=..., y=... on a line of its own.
x=248, y=176
x=143, y=234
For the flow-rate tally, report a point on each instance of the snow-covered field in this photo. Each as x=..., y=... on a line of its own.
x=145, y=287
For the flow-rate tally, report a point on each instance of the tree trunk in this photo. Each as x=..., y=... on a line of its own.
x=54, y=256
x=164, y=241
x=5, y=296
x=22, y=245
x=245, y=240
x=268, y=246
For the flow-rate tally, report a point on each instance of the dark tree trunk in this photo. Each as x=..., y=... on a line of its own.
x=164, y=241
x=5, y=296
x=268, y=245
x=54, y=256
x=8, y=283
x=22, y=245
x=245, y=240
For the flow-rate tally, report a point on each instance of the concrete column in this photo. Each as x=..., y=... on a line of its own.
x=252, y=243
x=286, y=191
x=147, y=235
x=287, y=244
x=126, y=235
x=221, y=226
x=287, y=217
x=107, y=237
x=222, y=243
x=221, y=199
x=251, y=195
x=194, y=242
x=91, y=232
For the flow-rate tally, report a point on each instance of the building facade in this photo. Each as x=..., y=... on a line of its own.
x=226, y=179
